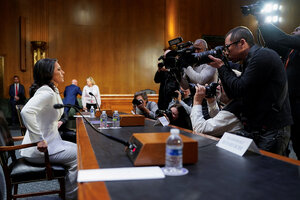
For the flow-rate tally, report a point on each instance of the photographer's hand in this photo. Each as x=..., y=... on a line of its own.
x=217, y=62
x=179, y=95
x=199, y=95
x=163, y=69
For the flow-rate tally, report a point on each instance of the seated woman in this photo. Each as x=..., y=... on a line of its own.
x=41, y=121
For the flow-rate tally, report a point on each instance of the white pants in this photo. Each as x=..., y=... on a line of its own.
x=68, y=158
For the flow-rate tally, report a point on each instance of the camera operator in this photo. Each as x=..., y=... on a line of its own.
x=201, y=74
x=288, y=47
x=226, y=120
x=184, y=98
x=262, y=88
x=167, y=79
x=142, y=106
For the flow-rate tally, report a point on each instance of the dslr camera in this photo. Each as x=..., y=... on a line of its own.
x=210, y=90
x=137, y=102
x=202, y=57
x=160, y=113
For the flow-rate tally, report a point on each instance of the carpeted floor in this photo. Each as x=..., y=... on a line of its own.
x=29, y=187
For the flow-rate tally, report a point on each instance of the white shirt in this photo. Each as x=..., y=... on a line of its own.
x=86, y=98
x=223, y=121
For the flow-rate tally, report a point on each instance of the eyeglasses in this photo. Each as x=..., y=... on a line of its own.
x=228, y=45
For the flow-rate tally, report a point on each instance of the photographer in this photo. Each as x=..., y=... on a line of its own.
x=201, y=74
x=179, y=117
x=222, y=121
x=261, y=87
x=166, y=76
x=142, y=106
x=184, y=98
x=288, y=47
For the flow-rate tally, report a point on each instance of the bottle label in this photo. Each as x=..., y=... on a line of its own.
x=174, y=152
x=115, y=119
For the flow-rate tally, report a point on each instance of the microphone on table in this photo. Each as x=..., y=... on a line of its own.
x=130, y=146
x=90, y=93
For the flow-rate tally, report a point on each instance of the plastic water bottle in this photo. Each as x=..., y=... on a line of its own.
x=174, y=146
x=116, y=119
x=103, y=119
x=92, y=111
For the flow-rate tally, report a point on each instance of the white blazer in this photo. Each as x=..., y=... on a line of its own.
x=41, y=121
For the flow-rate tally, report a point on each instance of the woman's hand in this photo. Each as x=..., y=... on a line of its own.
x=42, y=146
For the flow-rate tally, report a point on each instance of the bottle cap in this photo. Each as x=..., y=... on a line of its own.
x=103, y=112
x=175, y=131
x=92, y=107
x=116, y=111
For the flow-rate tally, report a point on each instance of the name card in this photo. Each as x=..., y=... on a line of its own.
x=237, y=144
x=162, y=120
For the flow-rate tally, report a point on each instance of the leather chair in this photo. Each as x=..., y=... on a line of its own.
x=18, y=170
x=22, y=126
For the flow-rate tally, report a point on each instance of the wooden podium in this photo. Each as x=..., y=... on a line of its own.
x=150, y=149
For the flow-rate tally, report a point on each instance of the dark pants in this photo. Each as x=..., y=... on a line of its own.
x=14, y=115
x=274, y=140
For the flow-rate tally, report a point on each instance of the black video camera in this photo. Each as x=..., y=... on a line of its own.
x=160, y=113
x=210, y=90
x=171, y=60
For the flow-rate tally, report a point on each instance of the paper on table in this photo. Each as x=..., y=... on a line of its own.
x=117, y=174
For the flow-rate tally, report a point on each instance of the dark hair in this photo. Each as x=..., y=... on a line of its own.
x=241, y=32
x=42, y=74
x=141, y=93
x=183, y=119
x=16, y=76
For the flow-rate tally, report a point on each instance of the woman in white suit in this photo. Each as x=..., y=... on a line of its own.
x=42, y=123
x=88, y=100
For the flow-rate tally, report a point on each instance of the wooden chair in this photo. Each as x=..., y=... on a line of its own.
x=18, y=170
x=22, y=126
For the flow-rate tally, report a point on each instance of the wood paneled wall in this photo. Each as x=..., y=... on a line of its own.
x=117, y=42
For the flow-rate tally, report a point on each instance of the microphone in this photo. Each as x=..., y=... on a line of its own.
x=128, y=145
x=90, y=93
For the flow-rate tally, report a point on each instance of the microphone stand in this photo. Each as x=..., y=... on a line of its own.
x=125, y=143
x=96, y=100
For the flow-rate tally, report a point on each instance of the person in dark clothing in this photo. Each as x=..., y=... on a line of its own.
x=167, y=79
x=70, y=95
x=288, y=47
x=17, y=97
x=262, y=88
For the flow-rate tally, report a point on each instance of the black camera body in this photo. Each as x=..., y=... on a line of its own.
x=160, y=113
x=210, y=90
x=137, y=102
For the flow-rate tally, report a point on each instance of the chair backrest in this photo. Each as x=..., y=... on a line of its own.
x=5, y=140
x=22, y=126
x=149, y=91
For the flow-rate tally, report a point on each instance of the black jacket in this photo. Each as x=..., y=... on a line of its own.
x=259, y=88
x=283, y=43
